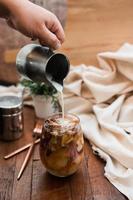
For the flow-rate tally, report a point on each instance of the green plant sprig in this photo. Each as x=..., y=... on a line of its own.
x=41, y=89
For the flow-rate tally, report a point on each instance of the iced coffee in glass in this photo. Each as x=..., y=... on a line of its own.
x=61, y=146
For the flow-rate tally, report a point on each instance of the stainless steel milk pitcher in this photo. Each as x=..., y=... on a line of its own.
x=41, y=64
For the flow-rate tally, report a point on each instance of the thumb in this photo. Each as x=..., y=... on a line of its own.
x=46, y=37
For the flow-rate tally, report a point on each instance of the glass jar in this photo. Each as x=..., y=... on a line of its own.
x=61, y=145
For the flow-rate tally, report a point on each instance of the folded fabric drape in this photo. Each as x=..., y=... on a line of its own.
x=103, y=99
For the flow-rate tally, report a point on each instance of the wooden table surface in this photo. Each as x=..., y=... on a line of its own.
x=92, y=26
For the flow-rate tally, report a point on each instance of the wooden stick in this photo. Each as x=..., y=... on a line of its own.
x=37, y=130
x=28, y=155
x=20, y=150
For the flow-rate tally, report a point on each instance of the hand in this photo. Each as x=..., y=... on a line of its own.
x=35, y=22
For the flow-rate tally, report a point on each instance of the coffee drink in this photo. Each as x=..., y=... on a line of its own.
x=61, y=146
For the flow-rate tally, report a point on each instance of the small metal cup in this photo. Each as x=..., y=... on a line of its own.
x=41, y=64
x=11, y=118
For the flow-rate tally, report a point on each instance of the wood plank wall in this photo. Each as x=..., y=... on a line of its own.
x=94, y=26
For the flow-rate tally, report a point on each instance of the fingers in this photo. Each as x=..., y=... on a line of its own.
x=51, y=32
x=58, y=30
x=46, y=37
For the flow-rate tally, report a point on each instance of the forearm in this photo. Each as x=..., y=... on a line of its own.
x=7, y=7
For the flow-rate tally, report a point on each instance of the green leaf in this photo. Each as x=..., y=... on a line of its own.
x=41, y=89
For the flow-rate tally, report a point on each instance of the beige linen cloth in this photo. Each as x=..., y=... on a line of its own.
x=103, y=99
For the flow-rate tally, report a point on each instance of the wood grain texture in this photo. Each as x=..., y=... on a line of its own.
x=95, y=26
x=6, y=179
x=101, y=187
x=45, y=186
x=22, y=188
x=80, y=184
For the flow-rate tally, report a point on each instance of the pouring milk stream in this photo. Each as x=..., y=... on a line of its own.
x=59, y=88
